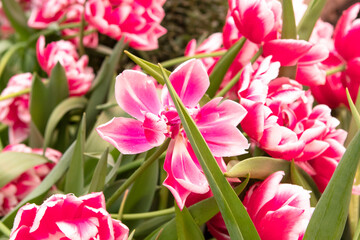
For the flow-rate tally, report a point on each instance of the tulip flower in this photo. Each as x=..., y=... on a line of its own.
x=14, y=112
x=68, y=217
x=157, y=120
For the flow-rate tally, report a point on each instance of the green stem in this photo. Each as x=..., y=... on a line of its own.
x=122, y=205
x=4, y=229
x=134, y=216
x=103, y=50
x=130, y=166
x=336, y=69
x=107, y=105
x=163, y=192
x=178, y=60
x=16, y=94
x=81, y=37
x=88, y=32
x=236, y=78
x=138, y=172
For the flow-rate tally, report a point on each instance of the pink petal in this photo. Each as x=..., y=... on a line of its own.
x=310, y=75
x=136, y=94
x=190, y=81
x=183, y=176
x=78, y=228
x=154, y=129
x=126, y=134
x=253, y=123
x=286, y=51
x=224, y=140
x=215, y=111
x=316, y=54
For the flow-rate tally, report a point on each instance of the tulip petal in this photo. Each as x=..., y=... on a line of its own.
x=136, y=94
x=126, y=134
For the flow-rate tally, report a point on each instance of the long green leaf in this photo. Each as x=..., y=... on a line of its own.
x=16, y=17
x=98, y=179
x=58, y=88
x=56, y=173
x=354, y=111
x=329, y=218
x=309, y=19
x=39, y=109
x=289, y=25
x=148, y=67
x=74, y=182
x=13, y=164
x=235, y=215
x=58, y=113
x=186, y=226
x=222, y=66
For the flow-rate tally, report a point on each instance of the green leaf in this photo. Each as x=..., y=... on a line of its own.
x=150, y=68
x=100, y=89
x=309, y=19
x=222, y=66
x=13, y=164
x=235, y=215
x=36, y=139
x=98, y=179
x=56, y=173
x=288, y=25
x=298, y=179
x=259, y=167
x=186, y=226
x=74, y=182
x=39, y=109
x=354, y=111
x=201, y=212
x=58, y=113
x=5, y=59
x=4, y=229
x=17, y=18
x=142, y=192
x=329, y=218
x=58, y=88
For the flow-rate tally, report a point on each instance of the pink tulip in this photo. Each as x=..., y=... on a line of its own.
x=16, y=190
x=155, y=120
x=345, y=51
x=78, y=74
x=257, y=20
x=278, y=211
x=68, y=217
x=210, y=45
x=137, y=21
x=14, y=112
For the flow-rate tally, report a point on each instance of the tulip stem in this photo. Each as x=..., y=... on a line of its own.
x=134, y=216
x=122, y=205
x=16, y=94
x=178, y=60
x=336, y=69
x=4, y=229
x=138, y=172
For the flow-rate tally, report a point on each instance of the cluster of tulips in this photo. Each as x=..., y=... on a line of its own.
x=251, y=134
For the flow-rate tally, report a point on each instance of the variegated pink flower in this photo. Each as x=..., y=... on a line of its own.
x=278, y=211
x=14, y=112
x=137, y=21
x=346, y=51
x=282, y=121
x=78, y=74
x=257, y=20
x=46, y=12
x=68, y=217
x=16, y=190
x=156, y=120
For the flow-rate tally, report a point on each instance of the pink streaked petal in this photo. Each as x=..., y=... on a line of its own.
x=253, y=123
x=351, y=39
x=317, y=53
x=183, y=176
x=259, y=194
x=313, y=150
x=310, y=75
x=40, y=47
x=126, y=134
x=315, y=132
x=215, y=111
x=18, y=132
x=21, y=233
x=190, y=81
x=121, y=231
x=78, y=228
x=94, y=200
x=286, y=51
x=25, y=216
x=136, y=94
x=154, y=129
x=224, y=140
